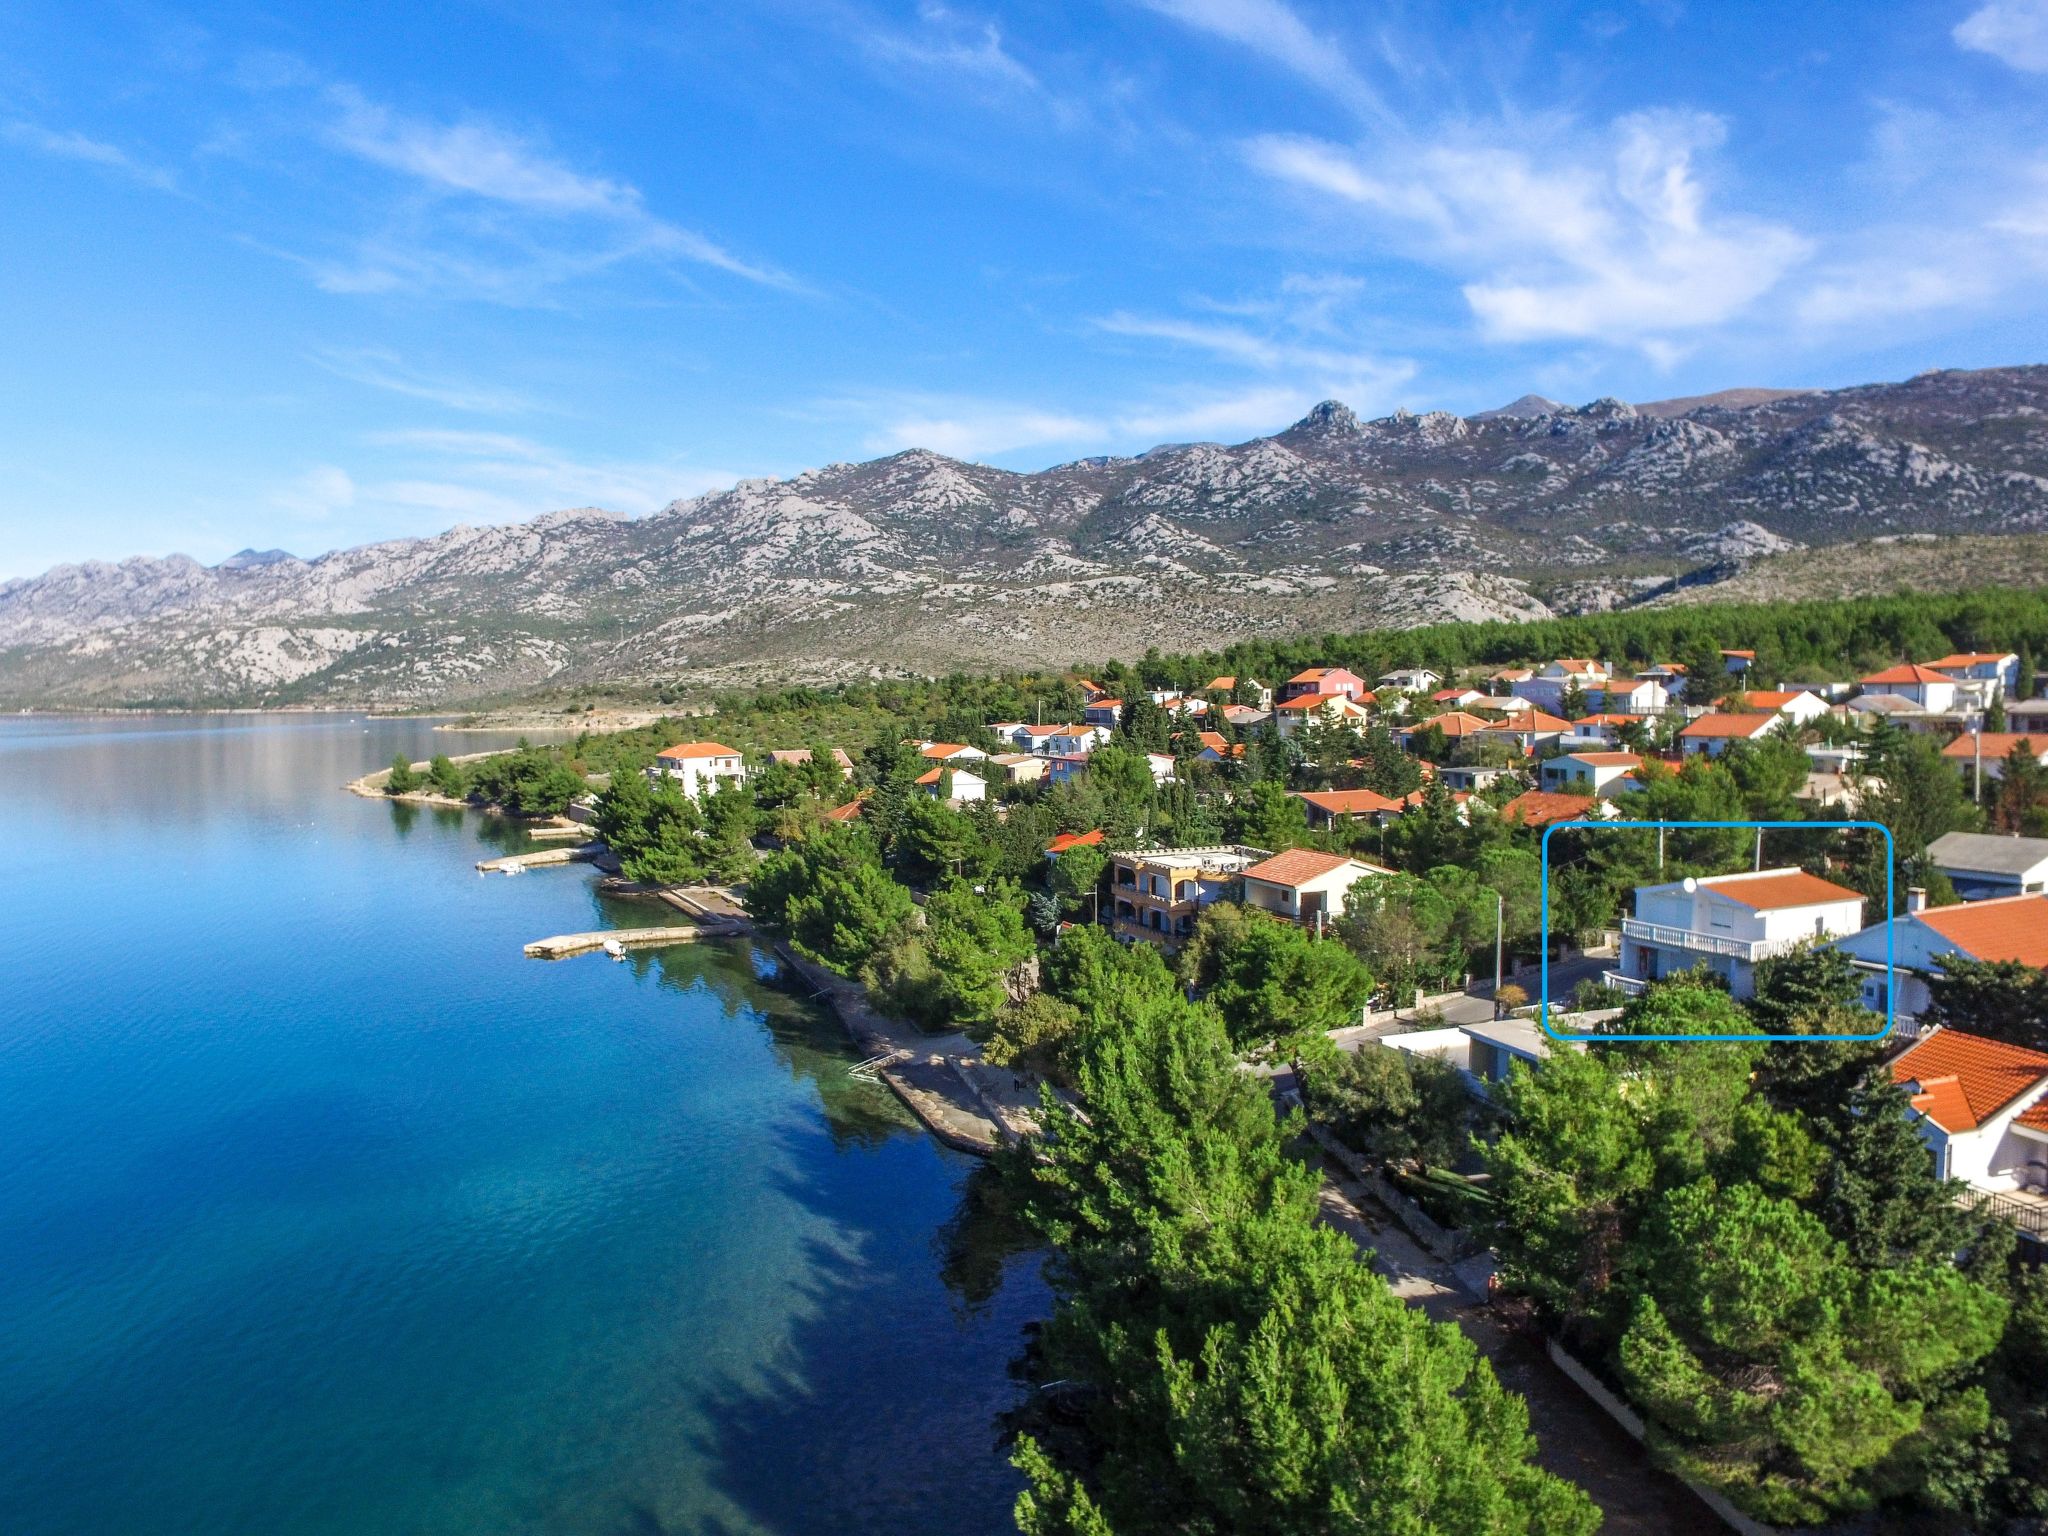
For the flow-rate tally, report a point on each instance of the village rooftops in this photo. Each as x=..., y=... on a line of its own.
x=1068, y=840
x=1959, y=1081
x=1908, y=672
x=1972, y=659
x=1743, y=727
x=2005, y=928
x=1995, y=745
x=1773, y=890
x=1542, y=808
x=1298, y=866
x=1355, y=802
x=1454, y=723
x=691, y=750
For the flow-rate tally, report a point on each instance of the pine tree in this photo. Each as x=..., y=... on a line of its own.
x=401, y=780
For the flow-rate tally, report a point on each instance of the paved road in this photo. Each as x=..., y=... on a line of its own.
x=1574, y=1439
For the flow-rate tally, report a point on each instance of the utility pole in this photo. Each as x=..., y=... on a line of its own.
x=1499, y=928
x=1661, y=830
x=1977, y=736
x=1758, y=862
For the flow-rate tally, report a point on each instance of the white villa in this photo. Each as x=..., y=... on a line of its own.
x=1979, y=1104
x=1303, y=885
x=1599, y=773
x=1729, y=923
x=698, y=766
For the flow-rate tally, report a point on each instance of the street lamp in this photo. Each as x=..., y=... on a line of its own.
x=1499, y=925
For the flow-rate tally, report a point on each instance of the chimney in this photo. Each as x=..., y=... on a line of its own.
x=1916, y=898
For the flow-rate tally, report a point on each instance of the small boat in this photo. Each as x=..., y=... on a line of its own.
x=615, y=949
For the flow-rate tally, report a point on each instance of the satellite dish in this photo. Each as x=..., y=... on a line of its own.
x=1691, y=885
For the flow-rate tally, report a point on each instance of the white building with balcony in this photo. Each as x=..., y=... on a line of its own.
x=1728, y=923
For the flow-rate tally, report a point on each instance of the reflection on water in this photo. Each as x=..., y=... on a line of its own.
x=326, y=1211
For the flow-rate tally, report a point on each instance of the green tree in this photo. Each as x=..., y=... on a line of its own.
x=446, y=777
x=726, y=856
x=2021, y=803
x=1398, y=1106
x=1281, y=990
x=2001, y=999
x=977, y=943
x=1802, y=985
x=670, y=850
x=1266, y=816
x=1076, y=878
x=401, y=780
x=1387, y=769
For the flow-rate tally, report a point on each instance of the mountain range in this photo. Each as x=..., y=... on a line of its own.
x=918, y=562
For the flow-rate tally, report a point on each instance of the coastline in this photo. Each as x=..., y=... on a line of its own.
x=940, y=1079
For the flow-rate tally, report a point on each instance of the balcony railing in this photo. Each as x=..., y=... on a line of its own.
x=1706, y=943
x=1631, y=986
x=2028, y=1211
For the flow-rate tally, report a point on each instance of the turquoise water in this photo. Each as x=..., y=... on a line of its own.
x=324, y=1210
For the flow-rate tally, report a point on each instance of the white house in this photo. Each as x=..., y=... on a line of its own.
x=1931, y=690
x=2005, y=928
x=699, y=766
x=1997, y=671
x=1715, y=734
x=1411, y=679
x=1600, y=773
x=1546, y=689
x=1290, y=715
x=1067, y=740
x=950, y=752
x=956, y=785
x=1794, y=704
x=1635, y=695
x=1729, y=923
x=1979, y=864
x=1532, y=730
x=1458, y=698
x=1989, y=749
x=1595, y=733
x=1227, y=684
x=1304, y=885
x=1979, y=1108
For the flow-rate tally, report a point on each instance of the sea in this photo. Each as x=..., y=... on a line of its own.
x=326, y=1212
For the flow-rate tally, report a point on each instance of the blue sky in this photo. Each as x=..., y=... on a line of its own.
x=307, y=276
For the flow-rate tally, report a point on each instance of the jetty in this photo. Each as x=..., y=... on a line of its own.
x=540, y=858
x=563, y=945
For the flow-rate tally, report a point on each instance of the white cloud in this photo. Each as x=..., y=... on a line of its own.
x=487, y=212
x=1272, y=29
x=62, y=145
x=2014, y=31
x=1609, y=239
x=380, y=369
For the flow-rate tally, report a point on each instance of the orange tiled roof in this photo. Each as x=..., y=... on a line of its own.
x=1908, y=673
x=1350, y=802
x=1609, y=719
x=1764, y=698
x=1531, y=720
x=1453, y=722
x=1774, y=889
x=1970, y=659
x=1966, y=1079
x=849, y=811
x=1996, y=744
x=1607, y=759
x=695, y=749
x=1309, y=675
x=943, y=749
x=2008, y=928
x=1742, y=727
x=1308, y=701
x=1541, y=807
x=1220, y=685
x=1296, y=866
x=1068, y=840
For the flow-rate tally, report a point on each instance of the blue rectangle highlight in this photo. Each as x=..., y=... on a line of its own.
x=1891, y=865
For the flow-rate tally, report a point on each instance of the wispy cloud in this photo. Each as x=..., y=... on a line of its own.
x=479, y=210
x=317, y=495
x=1609, y=238
x=953, y=45
x=1274, y=31
x=385, y=370
x=2014, y=31
x=66, y=145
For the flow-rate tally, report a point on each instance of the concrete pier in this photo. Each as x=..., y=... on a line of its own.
x=511, y=864
x=562, y=945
